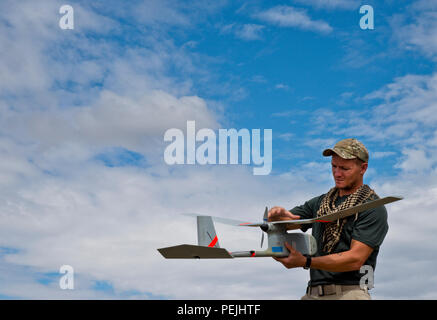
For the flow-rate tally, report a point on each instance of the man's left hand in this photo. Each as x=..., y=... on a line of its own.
x=294, y=260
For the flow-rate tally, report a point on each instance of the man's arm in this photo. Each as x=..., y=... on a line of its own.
x=345, y=261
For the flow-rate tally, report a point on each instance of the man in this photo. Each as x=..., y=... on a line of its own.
x=348, y=244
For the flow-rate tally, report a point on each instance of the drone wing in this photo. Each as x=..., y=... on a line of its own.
x=343, y=213
x=328, y=218
x=188, y=251
x=232, y=222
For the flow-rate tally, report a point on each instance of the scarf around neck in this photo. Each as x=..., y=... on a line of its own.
x=332, y=232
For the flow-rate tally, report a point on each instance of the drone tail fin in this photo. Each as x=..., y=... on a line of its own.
x=206, y=235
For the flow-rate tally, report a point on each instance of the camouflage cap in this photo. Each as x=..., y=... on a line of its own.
x=349, y=149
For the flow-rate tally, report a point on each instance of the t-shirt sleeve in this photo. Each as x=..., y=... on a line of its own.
x=371, y=227
x=307, y=211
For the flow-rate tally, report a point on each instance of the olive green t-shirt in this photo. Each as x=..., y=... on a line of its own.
x=370, y=227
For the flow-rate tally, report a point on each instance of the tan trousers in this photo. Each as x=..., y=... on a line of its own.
x=338, y=292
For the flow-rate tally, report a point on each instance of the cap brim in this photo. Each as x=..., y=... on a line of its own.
x=328, y=152
x=344, y=155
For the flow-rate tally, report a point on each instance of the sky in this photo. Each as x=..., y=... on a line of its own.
x=83, y=113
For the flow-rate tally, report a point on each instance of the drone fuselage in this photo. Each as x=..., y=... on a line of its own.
x=277, y=236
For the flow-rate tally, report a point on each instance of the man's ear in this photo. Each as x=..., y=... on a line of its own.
x=363, y=167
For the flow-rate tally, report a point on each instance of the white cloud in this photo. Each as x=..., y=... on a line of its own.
x=250, y=32
x=416, y=160
x=119, y=120
x=416, y=29
x=408, y=110
x=321, y=143
x=282, y=86
x=286, y=136
x=246, y=32
x=287, y=16
x=330, y=4
x=54, y=89
x=382, y=154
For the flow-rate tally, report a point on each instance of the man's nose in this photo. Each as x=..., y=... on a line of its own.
x=336, y=172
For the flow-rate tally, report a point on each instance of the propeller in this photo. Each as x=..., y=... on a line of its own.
x=265, y=219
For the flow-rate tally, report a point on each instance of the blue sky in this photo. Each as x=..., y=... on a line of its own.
x=83, y=114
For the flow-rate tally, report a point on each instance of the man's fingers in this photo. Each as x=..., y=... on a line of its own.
x=273, y=212
x=281, y=260
x=277, y=213
x=289, y=247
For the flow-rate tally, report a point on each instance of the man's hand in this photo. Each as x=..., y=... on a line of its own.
x=279, y=213
x=294, y=260
x=345, y=261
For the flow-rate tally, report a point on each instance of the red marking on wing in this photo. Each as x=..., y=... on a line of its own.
x=322, y=221
x=242, y=224
x=213, y=242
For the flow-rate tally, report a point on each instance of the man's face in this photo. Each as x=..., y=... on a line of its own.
x=348, y=174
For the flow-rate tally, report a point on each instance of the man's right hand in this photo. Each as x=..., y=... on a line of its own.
x=281, y=214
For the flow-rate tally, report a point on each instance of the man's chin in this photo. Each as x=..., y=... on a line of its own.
x=340, y=185
x=343, y=187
